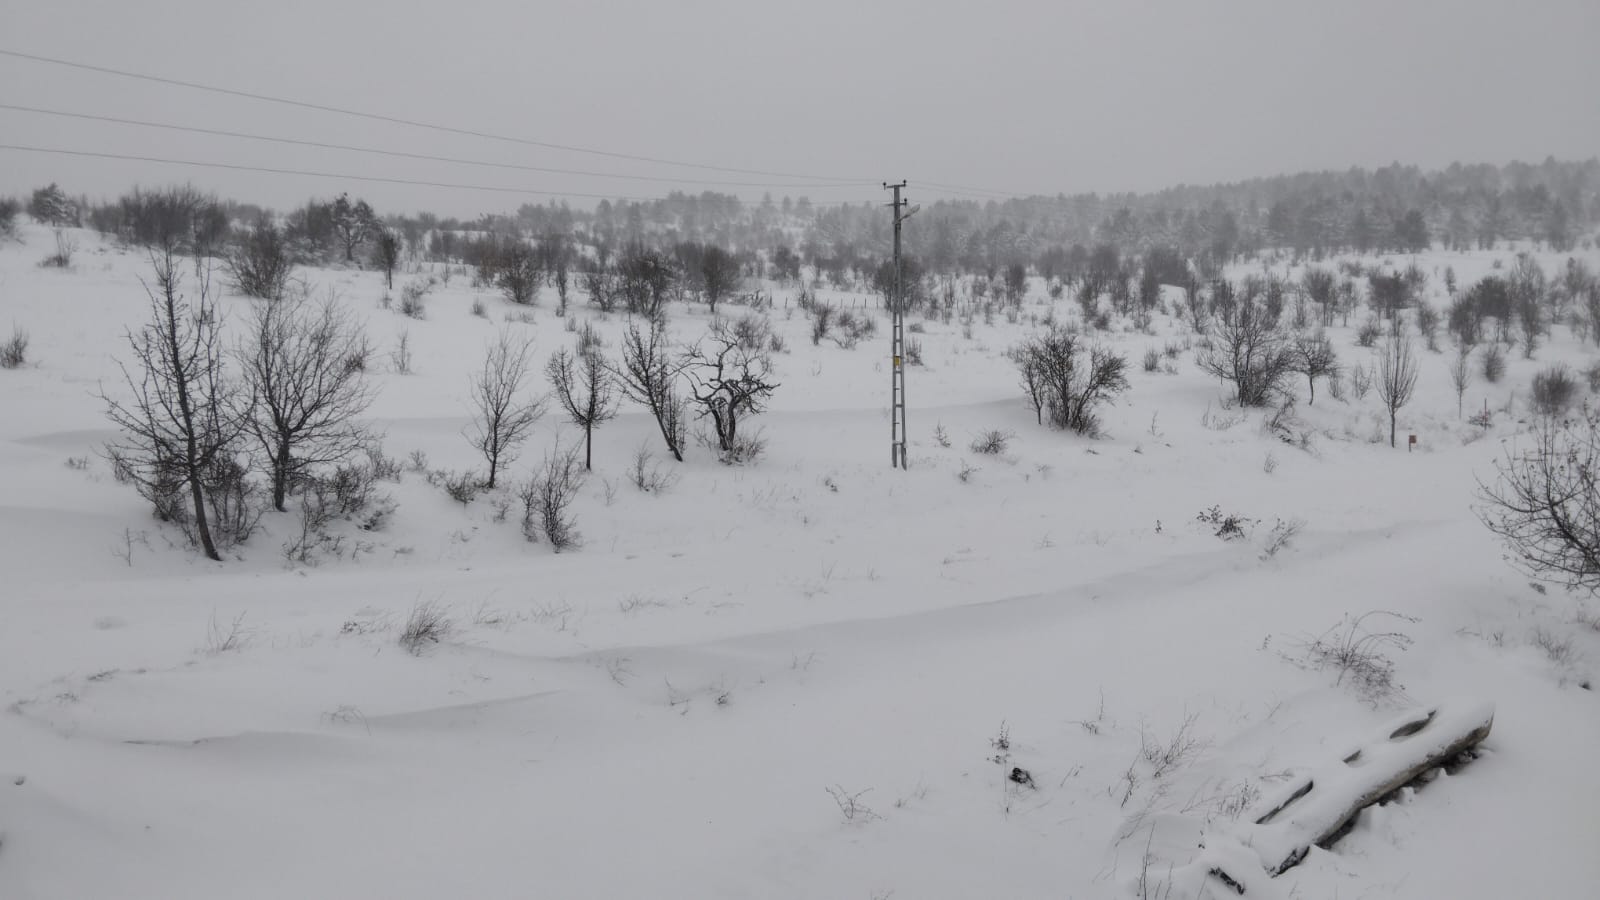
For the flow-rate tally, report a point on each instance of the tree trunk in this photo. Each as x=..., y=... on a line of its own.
x=1392, y=443
x=280, y=476
x=588, y=445
x=191, y=462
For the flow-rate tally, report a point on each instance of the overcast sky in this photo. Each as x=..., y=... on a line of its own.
x=1038, y=97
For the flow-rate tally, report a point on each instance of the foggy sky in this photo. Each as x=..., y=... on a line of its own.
x=1006, y=96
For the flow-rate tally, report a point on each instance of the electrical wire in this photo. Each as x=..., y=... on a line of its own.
x=413, y=123
x=408, y=155
x=351, y=177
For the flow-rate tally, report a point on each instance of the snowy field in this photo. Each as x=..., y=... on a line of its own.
x=805, y=678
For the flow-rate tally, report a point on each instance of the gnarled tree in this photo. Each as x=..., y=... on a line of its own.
x=729, y=382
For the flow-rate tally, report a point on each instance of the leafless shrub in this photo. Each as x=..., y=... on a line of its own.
x=1227, y=526
x=9, y=207
x=1591, y=375
x=518, y=273
x=1219, y=421
x=855, y=811
x=1493, y=363
x=1559, y=649
x=913, y=352
x=992, y=442
x=258, y=262
x=479, y=309
x=226, y=638
x=849, y=329
x=427, y=624
x=1177, y=751
x=1360, y=381
x=1554, y=389
x=65, y=248
x=752, y=331
x=965, y=473
x=400, y=356
x=1281, y=536
x=14, y=352
x=547, y=499
x=941, y=436
x=413, y=297
x=1064, y=381
x=647, y=474
x=1369, y=332
x=462, y=487
x=1359, y=653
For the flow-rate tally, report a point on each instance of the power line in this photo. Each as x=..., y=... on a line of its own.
x=413, y=123
x=408, y=155
x=962, y=189
x=349, y=177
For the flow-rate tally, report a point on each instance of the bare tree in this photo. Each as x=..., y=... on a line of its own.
x=597, y=283
x=647, y=376
x=259, y=263
x=1591, y=306
x=1032, y=375
x=561, y=275
x=517, y=273
x=585, y=391
x=730, y=381
x=1314, y=357
x=720, y=272
x=1528, y=286
x=353, y=224
x=547, y=497
x=1248, y=351
x=502, y=419
x=386, y=252
x=1397, y=377
x=1545, y=504
x=305, y=390
x=178, y=428
x=1461, y=375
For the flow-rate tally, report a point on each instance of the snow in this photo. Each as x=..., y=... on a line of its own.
x=662, y=712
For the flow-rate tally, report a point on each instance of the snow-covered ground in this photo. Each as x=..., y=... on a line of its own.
x=809, y=677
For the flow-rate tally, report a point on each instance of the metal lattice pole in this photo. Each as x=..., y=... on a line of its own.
x=897, y=359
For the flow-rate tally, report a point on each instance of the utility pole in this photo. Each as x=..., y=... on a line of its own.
x=897, y=331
